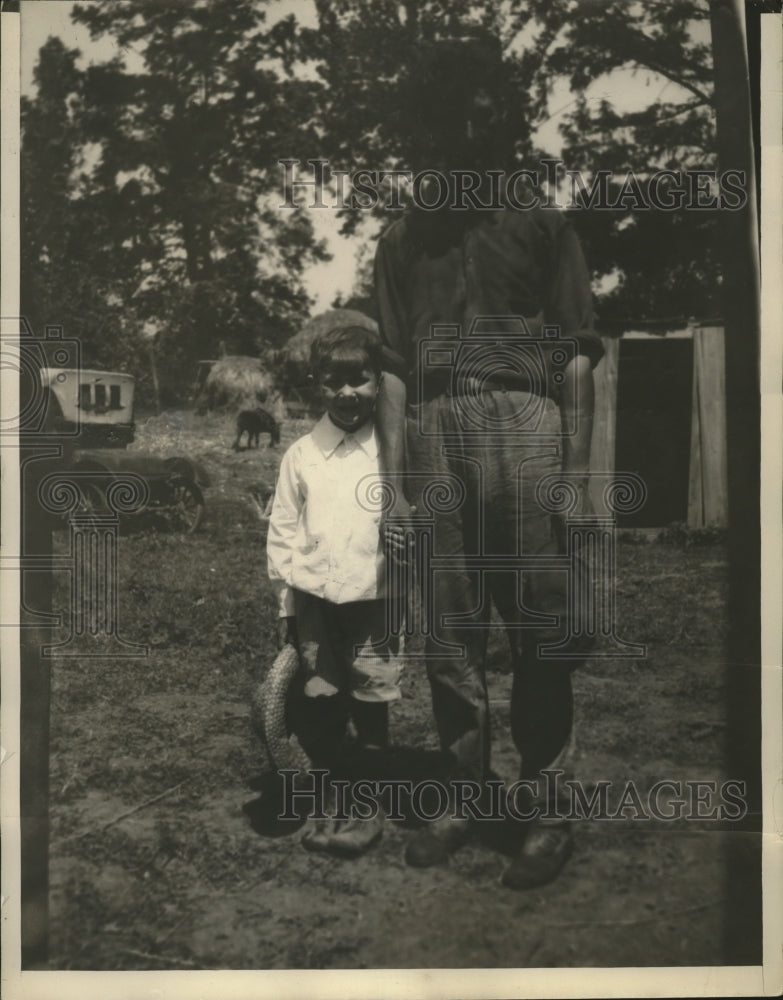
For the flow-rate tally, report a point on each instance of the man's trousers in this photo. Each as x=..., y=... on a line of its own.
x=490, y=456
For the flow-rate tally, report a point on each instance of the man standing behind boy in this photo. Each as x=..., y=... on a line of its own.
x=326, y=556
x=486, y=286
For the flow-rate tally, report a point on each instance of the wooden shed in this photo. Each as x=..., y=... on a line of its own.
x=660, y=411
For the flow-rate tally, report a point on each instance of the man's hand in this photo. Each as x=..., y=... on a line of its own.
x=394, y=540
x=286, y=631
x=390, y=424
x=396, y=531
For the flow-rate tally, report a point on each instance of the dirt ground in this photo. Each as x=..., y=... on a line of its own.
x=165, y=849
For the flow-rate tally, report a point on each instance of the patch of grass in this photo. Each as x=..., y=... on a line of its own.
x=124, y=730
x=680, y=535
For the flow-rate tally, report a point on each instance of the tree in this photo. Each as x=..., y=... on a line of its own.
x=65, y=280
x=656, y=37
x=151, y=182
x=373, y=60
x=193, y=153
x=181, y=134
x=666, y=262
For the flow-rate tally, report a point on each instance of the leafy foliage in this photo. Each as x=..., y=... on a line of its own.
x=376, y=62
x=66, y=279
x=180, y=136
x=150, y=182
x=665, y=262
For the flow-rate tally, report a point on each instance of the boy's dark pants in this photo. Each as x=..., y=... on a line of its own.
x=499, y=516
x=348, y=651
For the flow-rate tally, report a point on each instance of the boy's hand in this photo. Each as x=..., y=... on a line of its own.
x=286, y=631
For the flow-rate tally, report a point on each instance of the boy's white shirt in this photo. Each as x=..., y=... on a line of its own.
x=324, y=530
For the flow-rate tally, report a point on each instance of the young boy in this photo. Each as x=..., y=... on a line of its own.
x=326, y=554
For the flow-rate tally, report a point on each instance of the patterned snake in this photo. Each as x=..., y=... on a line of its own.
x=268, y=713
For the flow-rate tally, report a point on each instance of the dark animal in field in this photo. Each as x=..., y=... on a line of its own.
x=254, y=423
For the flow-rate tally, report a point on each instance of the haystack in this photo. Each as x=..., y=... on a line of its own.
x=236, y=382
x=294, y=358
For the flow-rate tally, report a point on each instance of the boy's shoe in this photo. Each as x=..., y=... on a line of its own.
x=316, y=833
x=319, y=829
x=355, y=836
x=546, y=849
x=434, y=844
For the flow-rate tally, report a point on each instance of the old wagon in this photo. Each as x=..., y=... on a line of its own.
x=92, y=413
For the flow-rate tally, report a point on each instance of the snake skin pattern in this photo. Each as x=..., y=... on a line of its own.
x=268, y=713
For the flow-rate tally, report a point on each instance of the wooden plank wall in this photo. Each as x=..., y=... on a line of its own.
x=707, y=486
x=708, y=482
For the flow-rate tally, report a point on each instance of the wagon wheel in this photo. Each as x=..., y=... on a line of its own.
x=185, y=509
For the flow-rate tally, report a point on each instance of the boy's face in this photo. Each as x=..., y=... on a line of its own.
x=349, y=390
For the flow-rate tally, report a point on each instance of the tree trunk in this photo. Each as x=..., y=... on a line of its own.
x=154, y=373
x=190, y=240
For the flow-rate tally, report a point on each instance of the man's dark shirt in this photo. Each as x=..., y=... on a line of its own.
x=450, y=268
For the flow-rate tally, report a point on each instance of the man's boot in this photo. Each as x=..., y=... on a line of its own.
x=545, y=850
x=440, y=838
x=548, y=842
